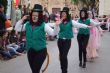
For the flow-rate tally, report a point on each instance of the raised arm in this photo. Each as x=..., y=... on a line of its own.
x=79, y=25
x=49, y=30
x=19, y=25
x=94, y=23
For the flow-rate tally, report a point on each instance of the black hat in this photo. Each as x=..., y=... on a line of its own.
x=65, y=9
x=38, y=8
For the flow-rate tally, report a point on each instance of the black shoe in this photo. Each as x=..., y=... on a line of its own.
x=64, y=72
x=84, y=65
x=80, y=64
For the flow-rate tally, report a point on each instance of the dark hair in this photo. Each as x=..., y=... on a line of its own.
x=13, y=37
x=86, y=14
x=24, y=5
x=1, y=6
x=96, y=16
x=19, y=6
x=104, y=16
x=93, y=17
x=68, y=18
x=12, y=33
x=28, y=17
x=40, y=18
x=45, y=9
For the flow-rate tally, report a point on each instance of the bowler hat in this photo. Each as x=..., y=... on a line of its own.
x=65, y=9
x=37, y=8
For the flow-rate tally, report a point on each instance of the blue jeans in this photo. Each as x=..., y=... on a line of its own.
x=6, y=54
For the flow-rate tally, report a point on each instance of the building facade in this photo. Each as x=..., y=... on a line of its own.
x=54, y=6
x=104, y=7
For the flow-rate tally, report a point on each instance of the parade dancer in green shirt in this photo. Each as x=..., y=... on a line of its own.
x=36, y=30
x=83, y=36
x=65, y=34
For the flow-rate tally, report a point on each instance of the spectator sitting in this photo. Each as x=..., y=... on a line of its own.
x=12, y=43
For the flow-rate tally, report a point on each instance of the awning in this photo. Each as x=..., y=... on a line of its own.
x=17, y=2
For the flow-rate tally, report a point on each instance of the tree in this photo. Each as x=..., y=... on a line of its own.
x=4, y=3
x=89, y=4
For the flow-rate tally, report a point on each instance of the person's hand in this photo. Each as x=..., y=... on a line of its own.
x=104, y=31
x=101, y=32
x=89, y=27
x=25, y=17
x=58, y=22
x=103, y=23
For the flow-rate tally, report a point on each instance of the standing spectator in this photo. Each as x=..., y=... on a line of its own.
x=18, y=13
x=108, y=23
x=105, y=24
x=46, y=15
x=2, y=24
x=24, y=10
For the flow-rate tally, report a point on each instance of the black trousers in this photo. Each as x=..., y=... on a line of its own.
x=82, y=42
x=64, y=46
x=36, y=59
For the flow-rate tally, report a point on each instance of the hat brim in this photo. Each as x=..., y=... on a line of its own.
x=37, y=10
x=63, y=11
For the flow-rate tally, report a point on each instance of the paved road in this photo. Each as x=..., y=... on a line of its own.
x=101, y=64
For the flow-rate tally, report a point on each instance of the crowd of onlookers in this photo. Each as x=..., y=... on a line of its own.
x=12, y=45
x=105, y=18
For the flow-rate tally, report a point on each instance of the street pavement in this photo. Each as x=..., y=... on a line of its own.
x=100, y=65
